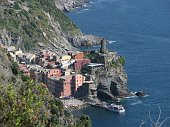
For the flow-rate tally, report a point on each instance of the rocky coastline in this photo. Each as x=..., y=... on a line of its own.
x=69, y=5
x=79, y=39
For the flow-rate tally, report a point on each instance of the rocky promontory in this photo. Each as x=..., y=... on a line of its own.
x=68, y=5
x=108, y=74
x=85, y=40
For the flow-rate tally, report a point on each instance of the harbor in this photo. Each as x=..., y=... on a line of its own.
x=79, y=104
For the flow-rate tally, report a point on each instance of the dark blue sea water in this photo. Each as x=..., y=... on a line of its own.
x=141, y=29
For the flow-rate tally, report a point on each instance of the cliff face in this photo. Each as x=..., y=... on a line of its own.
x=112, y=80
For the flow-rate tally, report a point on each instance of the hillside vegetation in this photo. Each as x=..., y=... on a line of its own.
x=29, y=22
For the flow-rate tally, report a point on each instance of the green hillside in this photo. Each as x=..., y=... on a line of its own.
x=34, y=21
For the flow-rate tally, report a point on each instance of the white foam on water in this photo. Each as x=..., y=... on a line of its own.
x=86, y=9
x=146, y=96
x=111, y=42
x=129, y=97
x=136, y=103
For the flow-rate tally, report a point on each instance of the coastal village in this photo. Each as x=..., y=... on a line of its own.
x=68, y=76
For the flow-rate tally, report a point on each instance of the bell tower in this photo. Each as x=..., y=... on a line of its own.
x=103, y=46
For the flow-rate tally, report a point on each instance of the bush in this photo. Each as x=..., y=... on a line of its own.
x=16, y=6
x=122, y=60
x=24, y=106
x=25, y=78
x=85, y=121
x=15, y=68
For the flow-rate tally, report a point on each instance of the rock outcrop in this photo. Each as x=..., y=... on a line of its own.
x=140, y=93
x=68, y=5
x=85, y=40
x=111, y=78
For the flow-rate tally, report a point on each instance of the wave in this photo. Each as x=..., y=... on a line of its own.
x=146, y=96
x=86, y=5
x=86, y=9
x=167, y=39
x=134, y=96
x=111, y=42
x=136, y=103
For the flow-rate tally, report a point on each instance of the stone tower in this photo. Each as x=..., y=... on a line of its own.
x=103, y=46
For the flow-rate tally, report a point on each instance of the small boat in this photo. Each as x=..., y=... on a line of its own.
x=115, y=108
x=111, y=107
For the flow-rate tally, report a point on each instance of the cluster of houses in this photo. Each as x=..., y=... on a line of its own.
x=61, y=74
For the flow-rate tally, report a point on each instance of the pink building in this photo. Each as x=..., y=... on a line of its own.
x=60, y=87
x=45, y=54
x=80, y=63
x=54, y=72
x=77, y=81
x=25, y=71
x=65, y=82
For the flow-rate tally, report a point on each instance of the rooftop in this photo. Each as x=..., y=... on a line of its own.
x=37, y=68
x=11, y=48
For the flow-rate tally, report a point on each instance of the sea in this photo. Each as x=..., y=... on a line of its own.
x=138, y=30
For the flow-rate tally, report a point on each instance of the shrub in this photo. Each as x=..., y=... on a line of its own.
x=15, y=68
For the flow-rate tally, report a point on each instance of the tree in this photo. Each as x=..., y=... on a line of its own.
x=29, y=104
x=26, y=106
x=84, y=121
x=158, y=123
x=15, y=68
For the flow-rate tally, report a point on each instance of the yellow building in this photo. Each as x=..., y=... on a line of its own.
x=18, y=52
x=65, y=58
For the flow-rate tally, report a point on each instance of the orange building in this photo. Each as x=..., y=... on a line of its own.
x=79, y=55
x=76, y=55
